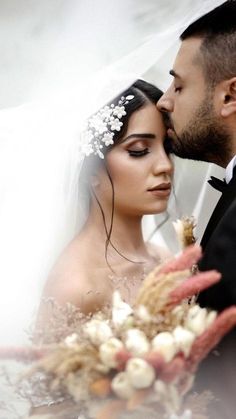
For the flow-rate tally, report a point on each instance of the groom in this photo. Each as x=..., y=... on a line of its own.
x=201, y=103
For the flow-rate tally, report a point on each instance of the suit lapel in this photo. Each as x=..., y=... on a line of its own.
x=223, y=204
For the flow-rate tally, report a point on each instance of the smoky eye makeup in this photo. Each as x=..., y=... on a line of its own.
x=138, y=153
x=138, y=148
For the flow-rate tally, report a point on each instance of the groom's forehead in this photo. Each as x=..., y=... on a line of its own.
x=188, y=56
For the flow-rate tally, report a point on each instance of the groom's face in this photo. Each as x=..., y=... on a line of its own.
x=195, y=129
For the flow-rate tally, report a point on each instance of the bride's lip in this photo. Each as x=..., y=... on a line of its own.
x=161, y=186
x=162, y=190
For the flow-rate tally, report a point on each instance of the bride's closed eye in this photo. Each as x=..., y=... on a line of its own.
x=138, y=153
x=138, y=148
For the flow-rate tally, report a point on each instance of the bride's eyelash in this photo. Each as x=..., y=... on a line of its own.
x=138, y=153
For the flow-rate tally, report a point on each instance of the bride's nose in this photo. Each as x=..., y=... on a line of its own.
x=163, y=164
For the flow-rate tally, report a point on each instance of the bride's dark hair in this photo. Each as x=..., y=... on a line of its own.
x=144, y=93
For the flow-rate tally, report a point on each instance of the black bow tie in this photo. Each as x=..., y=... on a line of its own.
x=218, y=184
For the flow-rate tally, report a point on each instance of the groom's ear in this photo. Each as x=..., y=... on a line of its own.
x=228, y=106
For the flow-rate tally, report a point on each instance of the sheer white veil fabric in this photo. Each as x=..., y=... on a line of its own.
x=40, y=210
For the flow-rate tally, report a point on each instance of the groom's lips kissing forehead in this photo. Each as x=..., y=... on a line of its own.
x=171, y=133
x=161, y=190
x=167, y=119
x=169, y=125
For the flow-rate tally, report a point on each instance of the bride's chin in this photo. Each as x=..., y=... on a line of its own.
x=156, y=210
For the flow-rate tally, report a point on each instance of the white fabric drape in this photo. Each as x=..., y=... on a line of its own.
x=64, y=60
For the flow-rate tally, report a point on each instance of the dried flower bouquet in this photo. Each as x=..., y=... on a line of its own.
x=126, y=361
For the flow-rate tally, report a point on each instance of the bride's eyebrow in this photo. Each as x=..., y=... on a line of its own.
x=149, y=136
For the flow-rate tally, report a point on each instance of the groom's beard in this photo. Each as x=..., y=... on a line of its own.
x=204, y=138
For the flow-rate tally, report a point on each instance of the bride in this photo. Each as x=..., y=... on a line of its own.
x=36, y=136
x=126, y=174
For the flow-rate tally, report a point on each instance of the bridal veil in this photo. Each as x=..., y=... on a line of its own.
x=67, y=59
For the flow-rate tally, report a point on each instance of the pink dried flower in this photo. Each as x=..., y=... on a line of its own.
x=192, y=286
x=186, y=260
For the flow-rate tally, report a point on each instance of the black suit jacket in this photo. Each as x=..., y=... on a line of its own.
x=219, y=251
x=218, y=372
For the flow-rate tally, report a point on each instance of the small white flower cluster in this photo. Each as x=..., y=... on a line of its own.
x=138, y=373
x=99, y=131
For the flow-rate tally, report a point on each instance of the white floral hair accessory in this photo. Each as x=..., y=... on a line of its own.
x=100, y=127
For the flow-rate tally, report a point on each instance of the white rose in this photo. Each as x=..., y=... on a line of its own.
x=136, y=342
x=122, y=386
x=97, y=331
x=140, y=373
x=164, y=343
x=108, y=351
x=184, y=339
x=211, y=318
x=196, y=319
x=120, y=310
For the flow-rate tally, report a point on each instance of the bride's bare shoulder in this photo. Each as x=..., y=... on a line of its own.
x=160, y=253
x=72, y=278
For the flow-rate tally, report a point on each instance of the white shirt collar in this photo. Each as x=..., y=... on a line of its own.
x=229, y=169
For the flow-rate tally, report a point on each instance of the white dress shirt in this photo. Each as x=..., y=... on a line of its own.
x=229, y=169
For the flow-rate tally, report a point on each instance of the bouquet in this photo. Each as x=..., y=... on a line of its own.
x=131, y=362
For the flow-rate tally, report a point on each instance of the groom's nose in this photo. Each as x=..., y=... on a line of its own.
x=166, y=103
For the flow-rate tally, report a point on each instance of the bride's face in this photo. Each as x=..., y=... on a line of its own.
x=139, y=167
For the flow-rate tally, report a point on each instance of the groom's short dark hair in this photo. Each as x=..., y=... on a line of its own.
x=217, y=29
